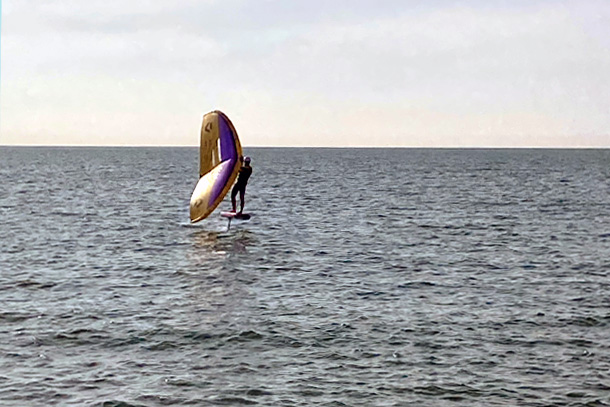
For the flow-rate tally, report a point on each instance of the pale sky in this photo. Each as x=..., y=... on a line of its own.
x=480, y=73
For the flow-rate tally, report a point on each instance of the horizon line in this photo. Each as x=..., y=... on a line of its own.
x=312, y=146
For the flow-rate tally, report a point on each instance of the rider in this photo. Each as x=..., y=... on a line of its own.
x=240, y=185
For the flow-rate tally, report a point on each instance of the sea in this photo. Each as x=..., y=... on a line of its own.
x=365, y=277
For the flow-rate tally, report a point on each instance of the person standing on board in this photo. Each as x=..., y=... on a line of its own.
x=240, y=185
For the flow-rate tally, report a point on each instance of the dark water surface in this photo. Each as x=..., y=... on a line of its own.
x=367, y=277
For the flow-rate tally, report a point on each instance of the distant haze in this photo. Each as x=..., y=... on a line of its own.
x=382, y=73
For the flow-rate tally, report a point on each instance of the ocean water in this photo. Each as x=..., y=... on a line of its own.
x=366, y=277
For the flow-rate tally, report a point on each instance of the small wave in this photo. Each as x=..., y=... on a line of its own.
x=14, y=316
x=163, y=345
x=447, y=391
x=368, y=294
x=246, y=336
x=258, y=393
x=416, y=284
x=70, y=214
x=229, y=401
x=115, y=403
x=32, y=284
x=588, y=321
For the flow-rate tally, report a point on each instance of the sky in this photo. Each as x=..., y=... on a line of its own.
x=340, y=73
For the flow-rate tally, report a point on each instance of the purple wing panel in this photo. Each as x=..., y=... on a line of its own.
x=228, y=152
x=228, y=137
x=222, y=181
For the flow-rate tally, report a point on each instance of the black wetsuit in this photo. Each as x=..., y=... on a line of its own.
x=244, y=175
x=242, y=180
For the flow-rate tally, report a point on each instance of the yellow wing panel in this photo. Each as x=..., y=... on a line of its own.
x=208, y=147
x=201, y=206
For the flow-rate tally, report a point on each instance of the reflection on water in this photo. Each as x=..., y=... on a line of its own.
x=212, y=272
x=239, y=241
x=205, y=239
x=222, y=243
x=205, y=250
